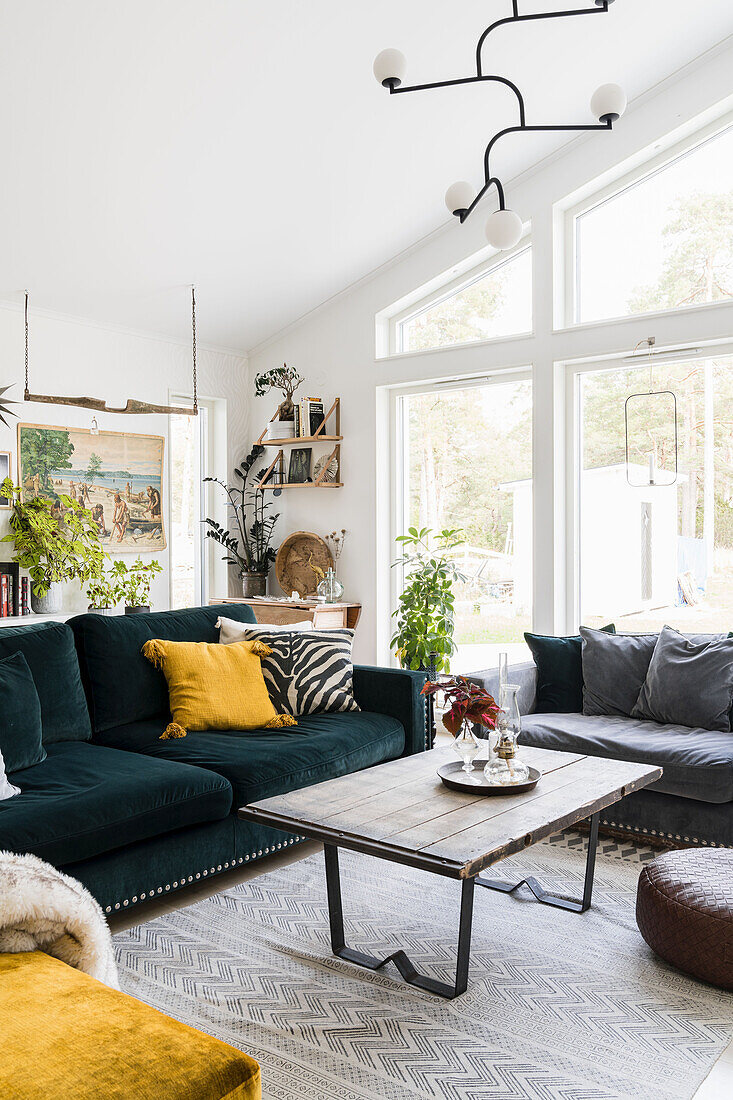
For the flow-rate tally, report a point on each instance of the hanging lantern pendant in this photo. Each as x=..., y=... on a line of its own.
x=646, y=412
x=132, y=406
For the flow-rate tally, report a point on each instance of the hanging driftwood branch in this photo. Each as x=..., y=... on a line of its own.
x=97, y=405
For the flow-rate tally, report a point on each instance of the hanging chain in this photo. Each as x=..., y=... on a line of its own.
x=26, y=346
x=193, y=332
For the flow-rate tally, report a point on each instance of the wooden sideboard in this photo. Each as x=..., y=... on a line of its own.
x=324, y=616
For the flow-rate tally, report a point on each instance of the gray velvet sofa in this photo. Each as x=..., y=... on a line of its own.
x=693, y=801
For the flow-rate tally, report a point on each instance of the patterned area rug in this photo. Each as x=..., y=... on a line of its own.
x=559, y=1006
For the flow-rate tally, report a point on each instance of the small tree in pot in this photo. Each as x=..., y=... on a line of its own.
x=284, y=378
x=424, y=635
x=249, y=548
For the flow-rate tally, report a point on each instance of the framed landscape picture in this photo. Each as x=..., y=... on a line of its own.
x=6, y=470
x=118, y=476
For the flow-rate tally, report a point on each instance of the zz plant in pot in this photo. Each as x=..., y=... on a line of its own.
x=423, y=639
x=134, y=582
x=249, y=545
x=55, y=541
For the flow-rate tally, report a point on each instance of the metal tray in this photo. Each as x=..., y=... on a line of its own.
x=454, y=777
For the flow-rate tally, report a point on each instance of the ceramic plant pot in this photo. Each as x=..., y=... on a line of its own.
x=254, y=584
x=102, y=610
x=136, y=610
x=50, y=604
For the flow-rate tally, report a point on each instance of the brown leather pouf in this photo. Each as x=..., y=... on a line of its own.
x=684, y=910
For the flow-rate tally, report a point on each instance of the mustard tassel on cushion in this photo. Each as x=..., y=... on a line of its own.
x=280, y=721
x=155, y=652
x=172, y=732
x=260, y=649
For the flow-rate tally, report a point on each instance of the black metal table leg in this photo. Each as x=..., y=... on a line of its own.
x=399, y=958
x=552, y=899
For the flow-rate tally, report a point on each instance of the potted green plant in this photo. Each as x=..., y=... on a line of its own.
x=249, y=549
x=423, y=639
x=56, y=541
x=104, y=592
x=134, y=583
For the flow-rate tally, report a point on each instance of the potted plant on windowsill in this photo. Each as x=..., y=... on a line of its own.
x=249, y=547
x=134, y=582
x=56, y=541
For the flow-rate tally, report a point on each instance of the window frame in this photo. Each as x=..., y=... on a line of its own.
x=210, y=573
x=398, y=457
x=451, y=288
x=651, y=166
x=574, y=372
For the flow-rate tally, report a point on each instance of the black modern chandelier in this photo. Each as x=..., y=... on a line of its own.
x=504, y=227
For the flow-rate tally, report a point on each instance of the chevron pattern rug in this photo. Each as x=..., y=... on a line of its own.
x=559, y=1006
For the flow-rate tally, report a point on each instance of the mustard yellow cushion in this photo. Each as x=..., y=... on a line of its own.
x=65, y=1036
x=215, y=687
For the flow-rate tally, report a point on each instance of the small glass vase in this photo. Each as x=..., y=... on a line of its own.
x=330, y=590
x=505, y=769
x=466, y=746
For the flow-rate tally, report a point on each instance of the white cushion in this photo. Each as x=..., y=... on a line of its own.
x=232, y=631
x=7, y=790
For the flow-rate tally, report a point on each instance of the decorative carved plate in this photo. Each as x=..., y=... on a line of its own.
x=301, y=563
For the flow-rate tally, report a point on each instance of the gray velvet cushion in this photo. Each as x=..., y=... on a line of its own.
x=614, y=669
x=697, y=763
x=689, y=682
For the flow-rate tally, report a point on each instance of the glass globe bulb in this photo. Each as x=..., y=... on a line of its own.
x=608, y=102
x=390, y=67
x=459, y=196
x=504, y=229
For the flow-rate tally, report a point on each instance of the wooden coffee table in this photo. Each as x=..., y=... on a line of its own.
x=400, y=811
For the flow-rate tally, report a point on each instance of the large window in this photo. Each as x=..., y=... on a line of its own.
x=497, y=302
x=658, y=554
x=664, y=241
x=467, y=463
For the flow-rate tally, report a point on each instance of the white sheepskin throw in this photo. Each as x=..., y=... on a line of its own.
x=43, y=910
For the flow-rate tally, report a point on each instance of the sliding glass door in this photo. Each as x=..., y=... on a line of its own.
x=652, y=549
x=467, y=463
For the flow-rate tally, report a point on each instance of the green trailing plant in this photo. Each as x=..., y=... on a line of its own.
x=284, y=378
x=425, y=616
x=55, y=540
x=249, y=549
x=134, y=580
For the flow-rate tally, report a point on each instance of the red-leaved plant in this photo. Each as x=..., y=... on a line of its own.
x=469, y=703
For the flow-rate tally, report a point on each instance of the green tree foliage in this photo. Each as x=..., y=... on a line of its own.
x=43, y=450
x=93, y=467
x=699, y=263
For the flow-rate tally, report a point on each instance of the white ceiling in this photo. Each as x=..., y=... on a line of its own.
x=246, y=146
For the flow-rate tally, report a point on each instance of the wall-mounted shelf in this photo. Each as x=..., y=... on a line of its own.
x=319, y=437
x=278, y=462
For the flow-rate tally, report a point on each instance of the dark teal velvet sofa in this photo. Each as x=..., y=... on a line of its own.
x=133, y=817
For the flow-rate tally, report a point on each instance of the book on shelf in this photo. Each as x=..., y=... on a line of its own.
x=9, y=589
x=296, y=420
x=311, y=416
x=4, y=602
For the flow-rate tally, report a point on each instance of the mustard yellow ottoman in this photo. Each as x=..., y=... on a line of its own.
x=65, y=1036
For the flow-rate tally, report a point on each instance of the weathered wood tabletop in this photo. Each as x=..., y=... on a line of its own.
x=401, y=811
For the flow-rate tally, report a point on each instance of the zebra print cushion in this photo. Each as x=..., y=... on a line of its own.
x=308, y=672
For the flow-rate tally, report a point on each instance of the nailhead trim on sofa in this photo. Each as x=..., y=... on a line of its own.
x=147, y=895
x=660, y=833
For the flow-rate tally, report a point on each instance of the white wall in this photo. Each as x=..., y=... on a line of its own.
x=334, y=348
x=74, y=357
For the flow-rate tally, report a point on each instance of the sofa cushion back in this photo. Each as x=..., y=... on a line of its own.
x=121, y=685
x=51, y=655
